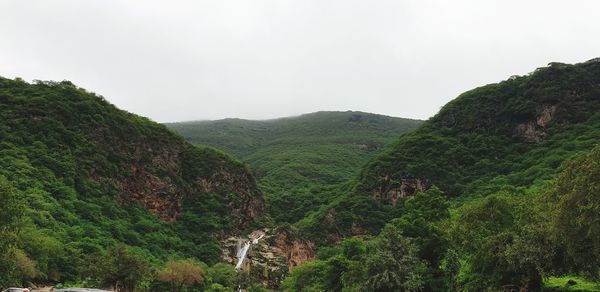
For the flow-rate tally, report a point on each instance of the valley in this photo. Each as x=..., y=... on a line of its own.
x=300, y=162
x=496, y=192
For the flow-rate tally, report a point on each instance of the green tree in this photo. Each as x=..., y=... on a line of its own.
x=181, y=274
x=501, y=242
x=10, y=212
x=222, y=274
x=392, y=263
x=119, y=268
x=216, y=287
x=307, y=277
x=576, y=223
x=422, y=221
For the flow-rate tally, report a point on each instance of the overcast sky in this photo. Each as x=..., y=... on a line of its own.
x=194, y=60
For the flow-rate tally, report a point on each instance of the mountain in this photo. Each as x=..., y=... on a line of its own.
x=483, y=196
x=497, y=192
x=299, y=160
x=514, y=133
x=85, y=176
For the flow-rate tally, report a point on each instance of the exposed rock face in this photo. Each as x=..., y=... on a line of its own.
x=272, y=256
x=250, y=203
x=295, y=250
x=158, y=194
x=546, y=116
x=531, y=132
x=391, y=191
x=535, y=131
x=159, y=181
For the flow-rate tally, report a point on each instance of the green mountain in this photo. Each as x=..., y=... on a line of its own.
x=298, y=161
x=497, y=192
x=514, y=133
x=79, y=176
x=477, y=198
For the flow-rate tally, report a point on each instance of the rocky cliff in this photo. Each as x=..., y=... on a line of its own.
x=271, y=258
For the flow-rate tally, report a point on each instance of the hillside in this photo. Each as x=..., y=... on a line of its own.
x=514, y=133
x=498, y=191
x=298, y=160
x=86, y=176
x=478, y=192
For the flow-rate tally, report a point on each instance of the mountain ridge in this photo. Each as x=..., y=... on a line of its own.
x=298, y=160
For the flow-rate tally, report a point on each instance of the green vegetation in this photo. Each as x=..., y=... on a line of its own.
x=476, y=146
x=576, y=224
x=77, y=178
x=181, y=274
x=10, y=211
x=498, y=192
x=300, y=161
x=518, y=214
x=563, y=284
x=511, y=133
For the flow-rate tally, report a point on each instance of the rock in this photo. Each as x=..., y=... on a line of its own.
x=154, y=170
x=546, y=116
x=391, y=192
x=272, y=256
x=535, y=131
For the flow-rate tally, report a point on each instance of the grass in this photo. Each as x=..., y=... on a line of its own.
x=576, y=284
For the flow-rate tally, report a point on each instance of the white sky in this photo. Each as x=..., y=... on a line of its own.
x=190, y=60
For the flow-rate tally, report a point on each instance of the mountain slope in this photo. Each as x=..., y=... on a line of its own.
x=527, y=124
x=90, y=175
x=515, y=133
x=492, y=160
x=298, y=160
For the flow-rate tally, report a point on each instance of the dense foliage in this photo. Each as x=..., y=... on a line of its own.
x=576, y=224
x=300, y=161
x=511, y=199
x=516, y=216
x=511, y=133
x=74, y=171
x=10, y=211
x=405, y=256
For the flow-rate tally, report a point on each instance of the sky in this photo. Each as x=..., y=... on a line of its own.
x=259, y=59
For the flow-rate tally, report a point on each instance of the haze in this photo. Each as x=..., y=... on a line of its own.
x=194, y=60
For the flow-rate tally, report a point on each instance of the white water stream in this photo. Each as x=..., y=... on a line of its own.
x=243, y=251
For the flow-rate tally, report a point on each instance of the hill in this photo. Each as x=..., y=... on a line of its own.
x=299, y=160
x=514, y=133
x=84, y=177
x=491, y=161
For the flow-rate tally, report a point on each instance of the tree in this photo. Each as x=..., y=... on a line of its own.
x=431, y=205
x=221, y=273
x=576, y=223
x=216, y=287
x=502, y=241
x=309, y=276
x=392, y=263
x=119, y=268
x=10, y=212
x=181, y=273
